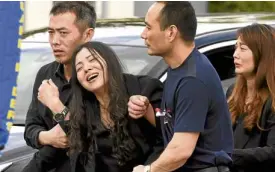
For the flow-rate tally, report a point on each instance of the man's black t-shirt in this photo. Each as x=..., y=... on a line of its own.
x=194, y=101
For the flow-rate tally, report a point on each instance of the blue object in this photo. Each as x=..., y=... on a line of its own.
x=11, y=29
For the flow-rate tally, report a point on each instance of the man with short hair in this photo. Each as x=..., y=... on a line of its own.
x=71, y=24
x=195, y=119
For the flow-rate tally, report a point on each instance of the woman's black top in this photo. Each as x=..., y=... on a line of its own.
x=147, y=138
x=105, y=162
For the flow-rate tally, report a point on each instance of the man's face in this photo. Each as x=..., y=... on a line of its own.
x=154, y=37
x=64, y=36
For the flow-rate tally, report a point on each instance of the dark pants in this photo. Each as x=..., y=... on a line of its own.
x=49, y=159
x=214, y=169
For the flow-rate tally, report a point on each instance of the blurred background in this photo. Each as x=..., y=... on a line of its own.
x=36, y=12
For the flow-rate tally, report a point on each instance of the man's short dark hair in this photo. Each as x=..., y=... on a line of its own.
x=182, y=15
x=85, y=13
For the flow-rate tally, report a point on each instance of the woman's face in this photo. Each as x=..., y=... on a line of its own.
x=243, y=59
x=91, y=70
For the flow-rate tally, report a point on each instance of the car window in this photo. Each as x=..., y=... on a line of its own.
x=135, y=60
x=223, y=62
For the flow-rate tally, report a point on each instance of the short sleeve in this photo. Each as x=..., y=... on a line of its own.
x=192, y=102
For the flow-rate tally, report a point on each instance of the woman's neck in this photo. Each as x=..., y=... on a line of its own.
x=103, y=99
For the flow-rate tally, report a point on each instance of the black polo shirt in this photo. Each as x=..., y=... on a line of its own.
x=39, y=117
x=194, y=101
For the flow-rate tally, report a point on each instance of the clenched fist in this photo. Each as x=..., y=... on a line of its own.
x=48, y=93
x=137, y=106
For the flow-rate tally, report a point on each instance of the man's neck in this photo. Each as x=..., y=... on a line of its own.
x=67, y=71
x=178, y=54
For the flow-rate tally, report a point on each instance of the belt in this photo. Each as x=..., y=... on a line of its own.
x=214, y=169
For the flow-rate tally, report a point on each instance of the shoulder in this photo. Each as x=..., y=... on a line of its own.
x=191, y=88
x=49, y=68
x=190, y=83
x=142, y=80
x=45, y=72
x=143, y=85
x=268, y=115
x=127, y=77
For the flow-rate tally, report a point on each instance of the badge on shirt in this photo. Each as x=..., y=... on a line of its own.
x=164, y=113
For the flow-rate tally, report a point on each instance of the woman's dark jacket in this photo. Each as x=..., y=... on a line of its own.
x=147, y=137
x=254, y=151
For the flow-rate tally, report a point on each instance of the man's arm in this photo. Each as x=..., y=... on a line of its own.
x=46, y=137
x=48, y=94
x=191, y=105
x=150, y=115
x=151, y=88
x=177, y=152
x=37, y=132
x=143, y=105
x=34, y=123
x=139, y=106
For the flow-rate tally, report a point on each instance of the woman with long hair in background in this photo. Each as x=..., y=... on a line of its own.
x=252, y=99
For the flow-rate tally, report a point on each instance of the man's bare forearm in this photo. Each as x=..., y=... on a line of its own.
x=43, y=138
x=56, y=106
x=177, y=152
x=171, y=159
x=150, y=115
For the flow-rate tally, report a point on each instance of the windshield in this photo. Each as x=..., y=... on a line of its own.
x=134, y=60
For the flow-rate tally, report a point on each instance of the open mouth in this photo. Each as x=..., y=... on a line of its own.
x=92, y=77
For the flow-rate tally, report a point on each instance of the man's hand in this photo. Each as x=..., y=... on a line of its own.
x=55, y=137
x=137, y=106
x=139, y=168
x=48, y=93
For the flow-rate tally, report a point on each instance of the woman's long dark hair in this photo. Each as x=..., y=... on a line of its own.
x=81, y=136
x=260, y=39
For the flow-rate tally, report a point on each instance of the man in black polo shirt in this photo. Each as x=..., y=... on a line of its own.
x=71, y=24
x=195, y=118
